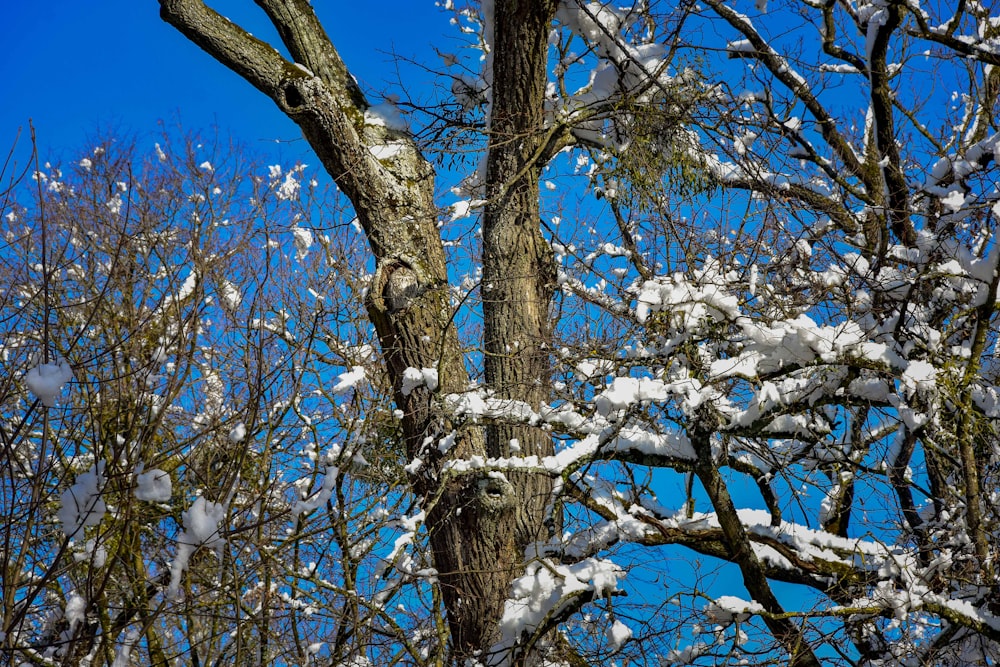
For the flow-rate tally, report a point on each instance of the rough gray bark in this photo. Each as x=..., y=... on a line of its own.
x=478, y=527
x=518, y=267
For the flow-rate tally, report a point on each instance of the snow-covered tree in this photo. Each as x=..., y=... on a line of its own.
x=685, y=354
x=169, y=334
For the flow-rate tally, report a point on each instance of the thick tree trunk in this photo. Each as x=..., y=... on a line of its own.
x=479, y=527
x=519, y=272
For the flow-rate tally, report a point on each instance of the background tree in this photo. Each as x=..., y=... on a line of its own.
x=166, y=493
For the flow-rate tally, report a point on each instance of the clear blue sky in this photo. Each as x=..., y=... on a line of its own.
x=75, y=67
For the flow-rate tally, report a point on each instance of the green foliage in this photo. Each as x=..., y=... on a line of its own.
x=661, y=158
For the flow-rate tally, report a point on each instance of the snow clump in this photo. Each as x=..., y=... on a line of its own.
x=706, y=298
x=321, y=497
x=728, y=609
x=46, y=381
x=153, y=486
x=303, y=240
x=238, y=433
x=386, y=115
x=419, y=377
x=546, y=587
x=624, y=391
x=76, y=610
x=618, y=633
x=81, y=504
x=350, y=379
x=201, y=528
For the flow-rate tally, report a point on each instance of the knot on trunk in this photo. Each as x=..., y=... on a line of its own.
x=397, y=283
x=401, y=287
x=293, y=98
x=495, y=494
x=297, y=90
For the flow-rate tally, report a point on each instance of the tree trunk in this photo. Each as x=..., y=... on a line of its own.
x=478, y=527
x=519, y=272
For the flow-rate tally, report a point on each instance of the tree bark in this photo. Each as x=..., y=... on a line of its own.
x=478, y=527
x=519, y=272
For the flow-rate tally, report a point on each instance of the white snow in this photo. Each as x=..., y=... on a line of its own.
x=651, y=442
x=76, y=610
x=463, y=208
x=743, y=143
x=693, y=301
x=729, y=608
x=153, y=485
x=543, y=589
x=617, y=634
x=349, y=379
x=386, y=115
x=238, y=433
x=320, y=497
x=387, y=151
x=230, y=293
x=46, y=381
x=290, y=186
x=81, y=505
x=414, y=466
x=124, y=653
x=740, y=46
x=589, y=368
x=202, y=523
x=93, y=552
x=624, y=391
x=920, y=375
x=954, y=201
x=115, y=204
x=187, y=287
x=303, y=239
x=419, y=377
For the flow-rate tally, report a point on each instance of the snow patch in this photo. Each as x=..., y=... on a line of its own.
x=618, y=633
x=303, y=240
x=350, y=379
x=153, y=486
x=46, y=381
x=728, y=609
x=385, y=115
x=545, y=588
x=201, y=529
x=81, y=505
x=419, y=377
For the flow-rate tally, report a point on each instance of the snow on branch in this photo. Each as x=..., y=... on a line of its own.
x=202, y=528
x=542, y=596
x=46, y=381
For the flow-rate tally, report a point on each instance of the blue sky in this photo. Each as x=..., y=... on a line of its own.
x=75, y=68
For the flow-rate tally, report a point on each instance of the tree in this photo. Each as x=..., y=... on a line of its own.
x=164, y=315
x=478, y=551
x=736, y=373
x=759, y=345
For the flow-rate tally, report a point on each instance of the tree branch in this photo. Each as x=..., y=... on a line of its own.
x=780, y=69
